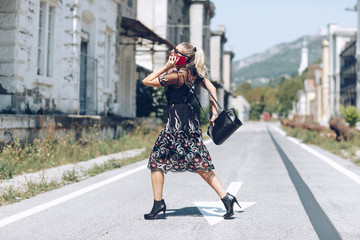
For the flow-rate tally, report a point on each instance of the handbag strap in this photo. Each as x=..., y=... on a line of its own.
x=201, y=79
x=202, y=107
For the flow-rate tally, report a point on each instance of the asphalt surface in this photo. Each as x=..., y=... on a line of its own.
x=286, y=193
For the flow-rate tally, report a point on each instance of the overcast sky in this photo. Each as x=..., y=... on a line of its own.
x=253, y=26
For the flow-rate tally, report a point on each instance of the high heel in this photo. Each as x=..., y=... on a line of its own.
x=159, y=206
x=229, y=201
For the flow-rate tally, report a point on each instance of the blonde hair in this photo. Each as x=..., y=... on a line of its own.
x=196, y=57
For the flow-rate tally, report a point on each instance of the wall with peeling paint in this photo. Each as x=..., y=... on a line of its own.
x=23, y=90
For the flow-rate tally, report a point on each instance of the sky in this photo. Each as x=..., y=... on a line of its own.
x=252, y=26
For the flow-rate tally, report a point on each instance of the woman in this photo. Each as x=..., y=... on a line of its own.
x=179, y=146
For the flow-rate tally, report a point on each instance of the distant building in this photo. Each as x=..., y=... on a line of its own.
x=338, y=36
x=304, y=63
x=217, y=42
x=242, y=106
x=201, y=13
x=325, y=61
x=306, y=106
x=358, y=55
x=318, y=95
x=310, y=92
x=301, y=103
x=178, y=21
x=348, y=75
x=169, y=20
x=227, y=76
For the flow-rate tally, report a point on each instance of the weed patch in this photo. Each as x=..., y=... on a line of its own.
x=346, y=149
x=17, y=158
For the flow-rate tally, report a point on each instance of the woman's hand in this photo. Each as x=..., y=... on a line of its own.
x=171, y=62
x=213, y=117
x=152, y=79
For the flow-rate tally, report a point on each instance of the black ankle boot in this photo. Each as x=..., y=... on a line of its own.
x=157, y=207
x=229, y=201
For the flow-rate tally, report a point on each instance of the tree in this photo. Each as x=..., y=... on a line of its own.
x=287, y=94
x=243, y=89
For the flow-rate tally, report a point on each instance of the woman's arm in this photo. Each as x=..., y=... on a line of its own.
x=152, y=79
x=212, y=90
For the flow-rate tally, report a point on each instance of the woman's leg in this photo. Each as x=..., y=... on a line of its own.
x=211, y=178
x=157, y=180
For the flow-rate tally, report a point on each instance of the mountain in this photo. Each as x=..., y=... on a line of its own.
x=278, y=61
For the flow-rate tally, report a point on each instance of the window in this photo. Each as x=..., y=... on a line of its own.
x=130, y=3
x=107, y=60
x=46, y=39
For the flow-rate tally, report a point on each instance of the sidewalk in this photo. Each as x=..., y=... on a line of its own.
x=57, y=173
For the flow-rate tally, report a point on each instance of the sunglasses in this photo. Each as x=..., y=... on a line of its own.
x=178, y=52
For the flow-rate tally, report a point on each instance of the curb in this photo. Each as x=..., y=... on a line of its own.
x=56, y=173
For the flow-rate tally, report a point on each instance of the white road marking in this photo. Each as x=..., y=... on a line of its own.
x=214, y=211
x=349, y=174
x=34, y=210
x=282, y=132
x=42, y=207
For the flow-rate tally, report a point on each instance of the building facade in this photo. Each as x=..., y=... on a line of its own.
x=242, y=106
x=227, y=76
x=348, y=75
x=79, y=57
x=217, y=42
x=200, y=14
x=65, y=57
x=304, y=63
x=188, y=21
x=338, y=36
x=169, y=20
x=325, y=61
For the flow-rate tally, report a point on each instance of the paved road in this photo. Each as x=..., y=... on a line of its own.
x=286, y=192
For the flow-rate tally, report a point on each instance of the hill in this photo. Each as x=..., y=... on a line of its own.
x=278, y=61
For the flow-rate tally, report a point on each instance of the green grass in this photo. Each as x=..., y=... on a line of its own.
x=17, y=158
x=50, y=152
x=12, y=195
x=326, y=140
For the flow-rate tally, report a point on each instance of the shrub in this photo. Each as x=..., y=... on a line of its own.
x=351, y=115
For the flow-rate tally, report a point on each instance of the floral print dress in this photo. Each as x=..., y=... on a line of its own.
x=179, y=146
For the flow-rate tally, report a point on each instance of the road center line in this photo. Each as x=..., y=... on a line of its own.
x=34, y=210
x=349, y=174
x=318, y=218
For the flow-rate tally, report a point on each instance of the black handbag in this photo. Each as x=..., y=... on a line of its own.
x=224, y=125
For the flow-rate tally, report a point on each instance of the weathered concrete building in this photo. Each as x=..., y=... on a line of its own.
x=242, y=106
x=304, y=63
x=348, y=75
x=227, y=76
x=201, y=13
x=62, y=57
x=78, y=57
x=338, y=36
x=188, y=21
x=217, y=42
x=324, y=109
x=313, y=101
x=68, y=58
x=169, y=20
